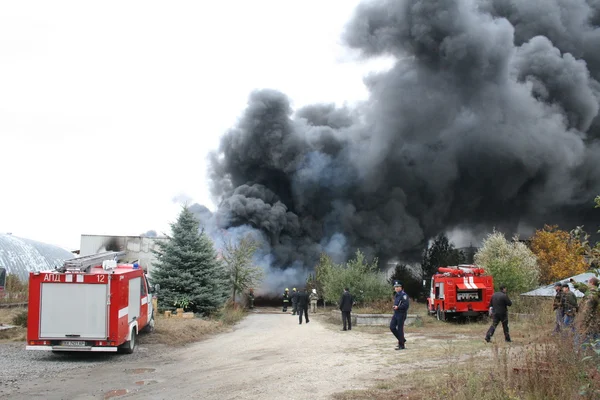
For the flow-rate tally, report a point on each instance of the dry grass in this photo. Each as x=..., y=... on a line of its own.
x=14, y=297
x=548, y=371
x=175, y=331
x=7, y=316
x=535, y=366
x=15, y=290
x=179, y=331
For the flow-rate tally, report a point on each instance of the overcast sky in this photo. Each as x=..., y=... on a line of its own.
x=108, y=109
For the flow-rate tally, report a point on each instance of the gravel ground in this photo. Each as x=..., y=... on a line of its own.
x=266, y=356
x=18, y=365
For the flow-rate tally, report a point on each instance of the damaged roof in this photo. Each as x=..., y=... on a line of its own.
x=20, y=256
x=548, y=290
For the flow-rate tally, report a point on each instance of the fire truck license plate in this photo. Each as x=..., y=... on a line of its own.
x=74, y=343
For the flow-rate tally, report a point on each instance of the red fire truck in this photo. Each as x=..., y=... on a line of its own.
x=463, y=290
x=91, y=303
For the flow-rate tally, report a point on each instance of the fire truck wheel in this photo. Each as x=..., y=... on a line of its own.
x=129, y=347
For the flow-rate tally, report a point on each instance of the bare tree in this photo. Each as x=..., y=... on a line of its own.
x=238, y=260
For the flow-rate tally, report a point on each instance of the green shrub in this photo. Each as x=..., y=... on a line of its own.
x=366, y=283
x=20, y=319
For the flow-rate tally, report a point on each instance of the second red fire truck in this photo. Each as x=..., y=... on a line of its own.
x=464, y=290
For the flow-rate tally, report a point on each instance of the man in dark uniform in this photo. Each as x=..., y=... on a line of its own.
x=286, y=299
x=400, y=307
x=346, y=302
x=294, y=297
x=302, y=299
x=557, y=307
x=499, y=304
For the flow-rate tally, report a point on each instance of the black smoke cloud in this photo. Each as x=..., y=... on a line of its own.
x=488, y=118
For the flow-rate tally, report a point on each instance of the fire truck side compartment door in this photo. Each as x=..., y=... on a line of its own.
x=134, y=298
x=77, y=309
x=442, y=290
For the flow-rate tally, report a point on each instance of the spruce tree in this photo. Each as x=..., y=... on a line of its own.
x=187, y=269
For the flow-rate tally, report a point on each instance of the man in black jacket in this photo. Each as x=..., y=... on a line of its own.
x=302, y=299
x=498, y=307
x=346, y=302
x=294, y=297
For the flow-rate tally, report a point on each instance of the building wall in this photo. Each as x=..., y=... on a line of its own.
x=136, y=247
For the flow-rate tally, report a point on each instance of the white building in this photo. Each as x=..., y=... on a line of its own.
x=137, y=248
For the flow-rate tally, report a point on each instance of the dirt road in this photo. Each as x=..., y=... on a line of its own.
x=266, y=356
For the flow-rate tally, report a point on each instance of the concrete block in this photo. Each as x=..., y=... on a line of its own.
x=374, y=319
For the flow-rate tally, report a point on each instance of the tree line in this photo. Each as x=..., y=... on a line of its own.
x=193, y=276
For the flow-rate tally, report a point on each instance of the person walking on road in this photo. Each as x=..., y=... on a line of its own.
x=346, y=302
x=251, y=298
x=499, y=304
x=401, y=304
x=557, y=307
x=294, y=301
x=303, y=305
x=313, y=301
x=286, y=299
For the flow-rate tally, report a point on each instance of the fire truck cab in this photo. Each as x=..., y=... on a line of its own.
x=89, y=304
x=462, y=290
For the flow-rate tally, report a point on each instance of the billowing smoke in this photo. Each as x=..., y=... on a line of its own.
x=488, y=118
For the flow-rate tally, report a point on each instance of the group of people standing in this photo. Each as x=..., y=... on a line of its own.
x=586, y=325
x=582, y=319
x=300, y=301
x=400, y=307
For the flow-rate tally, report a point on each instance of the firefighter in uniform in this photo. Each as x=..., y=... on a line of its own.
x=499, y=304
x=313, y=297
x=286, y=299
x=294, y=297
x=251, y=298
x=401, y=304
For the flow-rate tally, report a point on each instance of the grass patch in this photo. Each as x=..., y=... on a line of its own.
x=377, y=307
x=547, y=371
x=457, y=365
x=176, y=331
x=180, y=331
x=15, y=290
x=230, y=315
x=8, y=316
